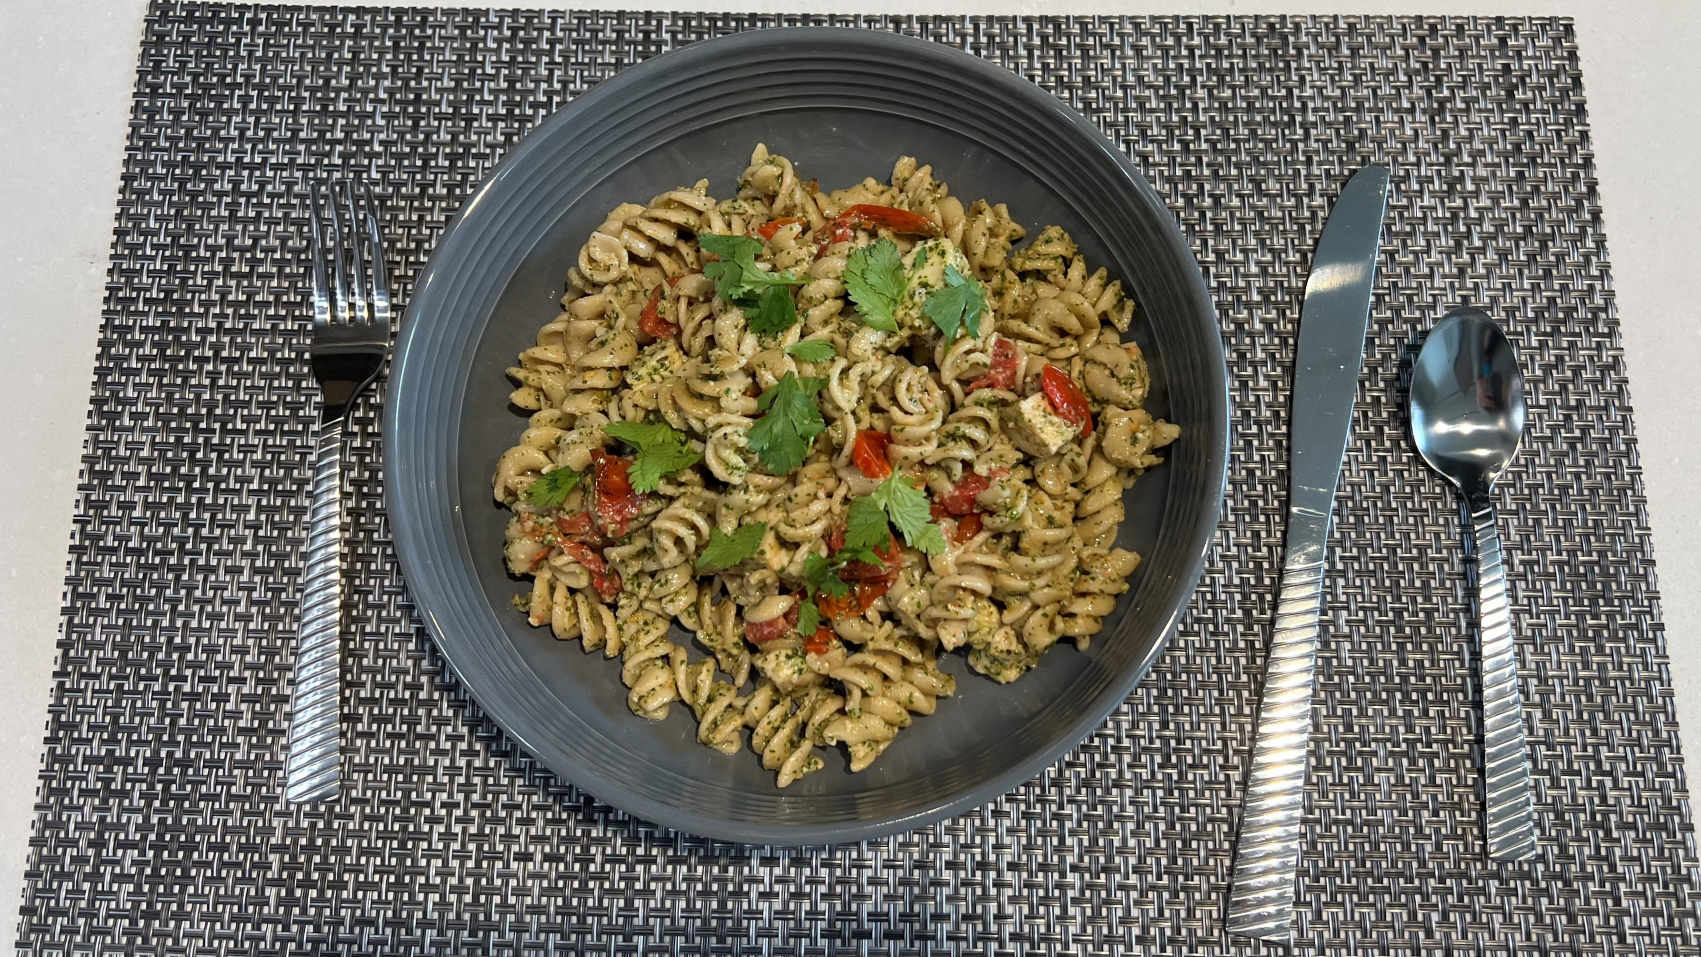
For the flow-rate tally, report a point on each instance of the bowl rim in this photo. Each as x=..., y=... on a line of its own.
x=410, y=541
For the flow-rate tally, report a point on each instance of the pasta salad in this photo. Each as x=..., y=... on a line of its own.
x=832, y=435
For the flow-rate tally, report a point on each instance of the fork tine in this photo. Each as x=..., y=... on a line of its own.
x=341, y=307
x=380, y=277
x=321, y=277
x=360, y=312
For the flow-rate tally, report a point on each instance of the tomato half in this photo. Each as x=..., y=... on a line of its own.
x=891, y=562
x=862, y=596
x=818, y=643
x=576, y=524
x=869, y=453
x=960, y=500
x=832, y=233
x=1002, y=373
x=772, y=227
x=1066, y=398
x=650, y=319
x=967, y=527
x=870, y=216
x=616, y=504
x=762, y=632
x=603, y=579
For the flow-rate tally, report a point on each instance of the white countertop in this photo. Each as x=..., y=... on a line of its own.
x=66, y=69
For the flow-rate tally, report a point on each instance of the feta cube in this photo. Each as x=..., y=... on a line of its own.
x=1036, y=429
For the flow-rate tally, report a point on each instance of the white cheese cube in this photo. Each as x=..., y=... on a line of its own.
x=1036, y=429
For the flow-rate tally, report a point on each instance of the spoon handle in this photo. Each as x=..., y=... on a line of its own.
x=1506, y=760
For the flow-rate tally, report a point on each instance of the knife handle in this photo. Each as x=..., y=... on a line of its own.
x=1506, y=760
x=1267, y=851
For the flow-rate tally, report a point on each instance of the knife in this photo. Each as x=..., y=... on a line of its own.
x=1332, y=326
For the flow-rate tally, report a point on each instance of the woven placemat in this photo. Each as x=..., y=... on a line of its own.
x=162, y=829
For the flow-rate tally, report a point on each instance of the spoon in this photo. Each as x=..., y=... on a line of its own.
x=1467, y=407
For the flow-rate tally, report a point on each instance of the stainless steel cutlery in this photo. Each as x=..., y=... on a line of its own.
x=351, y=337
x=1332, y=324
x=1467, y=416
x=1467, y=405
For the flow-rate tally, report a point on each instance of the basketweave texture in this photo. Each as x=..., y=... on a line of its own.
x=161, y=826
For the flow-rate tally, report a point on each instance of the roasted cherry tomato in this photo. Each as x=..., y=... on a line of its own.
x=863, y=595
x=1066, y=398
x=891, y=562
x=771, y=228
x=762, y=632
x=651, y=320
x=844, y=606
x=605, y=580
x=869, y=216
x=818, y=643
x=576, y=524
x=1002, y=374
x=960, y=500
x=832, y=233
x=967, y=527
x=869, y=453
x=615, y=504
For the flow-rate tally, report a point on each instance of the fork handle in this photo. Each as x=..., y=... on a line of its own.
x=1506, y=760
x=311, y=772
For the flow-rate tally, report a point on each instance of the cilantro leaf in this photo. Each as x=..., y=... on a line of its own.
x=822, y=577
x=762, y=296
x=791, y=420
x=874, y=276
x=651, y=464
x=551, y=489
x=737, y=253
x=852, y=553
x=909, y=511
x=956, y=304
x=661, y=451
x=812, y=350
x=808, y=619
x=641, y=435
x=865, y=524
x=775, y=311
x=724, y=551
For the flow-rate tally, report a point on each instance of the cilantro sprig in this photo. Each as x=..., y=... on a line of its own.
x=764, y=296
x=791, y=420
x=821, y=576
x=551, y=489
x=865, y=524
x=661, y=451
x=874, y=277
x=812, y=350
x=724, y=551
x=905, y=506
x=956, y=304
x=808, y=618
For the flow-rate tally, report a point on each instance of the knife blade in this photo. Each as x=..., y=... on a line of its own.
x=1334, y=318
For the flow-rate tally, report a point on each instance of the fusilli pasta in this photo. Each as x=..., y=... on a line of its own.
x=740, y=410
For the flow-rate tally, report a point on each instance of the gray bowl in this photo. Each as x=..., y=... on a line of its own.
x=843, y=104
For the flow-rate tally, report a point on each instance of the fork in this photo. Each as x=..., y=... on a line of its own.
x=351, y=337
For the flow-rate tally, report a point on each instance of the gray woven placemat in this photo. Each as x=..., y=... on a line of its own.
x=162, y=829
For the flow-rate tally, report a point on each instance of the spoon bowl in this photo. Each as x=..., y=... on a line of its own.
x=1467, y=400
